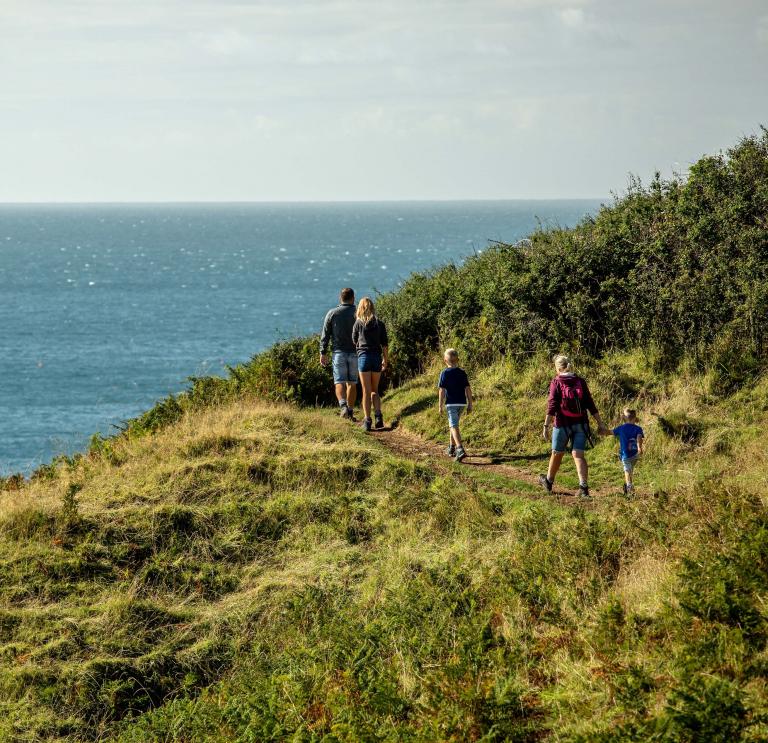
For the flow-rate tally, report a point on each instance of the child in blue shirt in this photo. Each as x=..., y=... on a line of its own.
x=631, y=439
x=455, y=396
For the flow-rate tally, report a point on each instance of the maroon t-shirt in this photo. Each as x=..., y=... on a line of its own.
x=556, y=396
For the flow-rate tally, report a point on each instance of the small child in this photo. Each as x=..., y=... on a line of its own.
x=455, y=395
x=631, y=440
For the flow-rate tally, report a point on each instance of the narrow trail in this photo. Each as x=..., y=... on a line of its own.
x=407, y=444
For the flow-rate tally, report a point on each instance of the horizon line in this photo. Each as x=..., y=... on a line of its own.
x=294, y=201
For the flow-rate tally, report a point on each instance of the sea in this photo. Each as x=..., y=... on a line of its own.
x=105, y=309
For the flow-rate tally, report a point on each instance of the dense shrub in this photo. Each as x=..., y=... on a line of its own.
x=676, y=266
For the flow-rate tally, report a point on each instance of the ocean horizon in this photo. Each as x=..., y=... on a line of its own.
x=108, y=307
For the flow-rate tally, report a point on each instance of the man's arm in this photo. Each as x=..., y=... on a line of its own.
x=325, y=337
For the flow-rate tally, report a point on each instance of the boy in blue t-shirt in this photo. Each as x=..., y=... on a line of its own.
x=631, y=439
x=455, y=395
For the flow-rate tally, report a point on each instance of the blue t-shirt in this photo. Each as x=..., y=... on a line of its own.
x=628, y=433
x=454, y=381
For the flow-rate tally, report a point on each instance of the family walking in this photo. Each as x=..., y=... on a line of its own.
x=359, y=344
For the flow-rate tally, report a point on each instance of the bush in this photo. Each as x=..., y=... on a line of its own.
x=675, y=266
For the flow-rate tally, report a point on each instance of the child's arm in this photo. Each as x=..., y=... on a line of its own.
x=468, y=393
x=640, y=442
x=441, y=400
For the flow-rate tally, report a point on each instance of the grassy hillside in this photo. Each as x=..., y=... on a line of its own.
x=258, y=572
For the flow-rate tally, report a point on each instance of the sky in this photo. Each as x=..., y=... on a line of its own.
x=292, y=100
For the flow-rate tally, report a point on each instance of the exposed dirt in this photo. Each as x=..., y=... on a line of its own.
x=412, y=446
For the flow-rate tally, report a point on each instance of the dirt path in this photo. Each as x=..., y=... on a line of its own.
x=412, y=446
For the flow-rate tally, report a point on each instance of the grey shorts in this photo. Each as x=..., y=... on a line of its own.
x=344, y=367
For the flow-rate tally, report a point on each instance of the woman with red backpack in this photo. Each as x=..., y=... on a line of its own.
x=569, y=405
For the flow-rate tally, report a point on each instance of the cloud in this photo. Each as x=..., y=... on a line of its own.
x=224, y=43
x=573, y=18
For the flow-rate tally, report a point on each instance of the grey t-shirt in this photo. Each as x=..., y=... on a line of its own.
x=337, y=329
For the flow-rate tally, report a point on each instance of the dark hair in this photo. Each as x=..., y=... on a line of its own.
x=347, y=295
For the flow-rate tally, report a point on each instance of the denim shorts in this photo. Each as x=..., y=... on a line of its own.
x=454, y=413
x=369, y=361
x=575, y=433
x=344, y=367
x=629, y=463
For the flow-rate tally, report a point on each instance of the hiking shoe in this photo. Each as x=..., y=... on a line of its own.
x=379, y=421
x=625, y=488
x=584, y=491
x=629, y=489
x=367, y=425
x=343, y=411
x=451, y=451
x=545, y=483
x=460, y=453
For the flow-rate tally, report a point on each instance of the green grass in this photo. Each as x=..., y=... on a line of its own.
x=259, y=572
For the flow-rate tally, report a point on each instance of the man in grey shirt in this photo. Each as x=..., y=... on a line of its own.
x=337, y=331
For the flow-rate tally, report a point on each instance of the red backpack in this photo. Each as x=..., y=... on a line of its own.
x=571, y=395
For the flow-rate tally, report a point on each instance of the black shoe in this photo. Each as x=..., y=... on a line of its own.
x=451, y=451
x=584, y=491
x=626, y=489
x=460, y=453
x=367, y=425
x=379, y=421
x=545, y=483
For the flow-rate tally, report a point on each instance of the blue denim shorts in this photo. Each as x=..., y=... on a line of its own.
x=454, y=413
x=369, y=361
x=344, y=367
x=575, y=434
x=629, y=463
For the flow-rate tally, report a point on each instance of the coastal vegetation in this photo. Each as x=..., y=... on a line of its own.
x=241, y=564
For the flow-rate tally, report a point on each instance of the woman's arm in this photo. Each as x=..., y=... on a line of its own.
x=384, y=357
x=603, y=430
x=553, y=406
x=548, y=419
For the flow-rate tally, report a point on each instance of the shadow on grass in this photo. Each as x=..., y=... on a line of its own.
x=494, y=458
x=418, y=407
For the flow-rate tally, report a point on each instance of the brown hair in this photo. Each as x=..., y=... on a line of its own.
x=347, y=295
x=365, y=310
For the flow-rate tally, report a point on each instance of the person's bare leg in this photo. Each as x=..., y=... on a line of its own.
x=375, y=377
x=351, y=394
x=628, y=478
x=456, y=434
x=581, y=466
x=340, y=393
x=554, y=464
x=365, y=381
